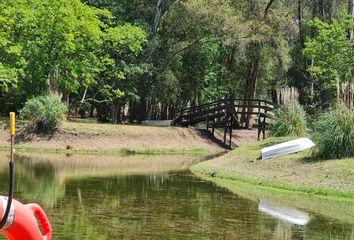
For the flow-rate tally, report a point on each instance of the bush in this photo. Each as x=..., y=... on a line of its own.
x=44, y=112
x=334, y=134
x=83, y=108
x=289, y=120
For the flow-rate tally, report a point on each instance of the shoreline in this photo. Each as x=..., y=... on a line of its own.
x=293, y=174
x=114, y=152
x=341, y=209
x=87, y=137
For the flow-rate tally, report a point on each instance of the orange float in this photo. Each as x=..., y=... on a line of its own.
x=19, y=221
x=22, y=224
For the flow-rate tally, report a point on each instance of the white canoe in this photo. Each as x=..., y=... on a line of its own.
x=286, y=148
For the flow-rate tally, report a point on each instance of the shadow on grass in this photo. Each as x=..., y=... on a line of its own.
x=312, y=158
x=29, y=134
x=203, y=133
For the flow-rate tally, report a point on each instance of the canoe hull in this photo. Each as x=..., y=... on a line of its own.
x=293, y=146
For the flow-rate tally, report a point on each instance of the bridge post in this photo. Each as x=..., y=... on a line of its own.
x=230, y=131
x=207, y=123
x=264, y=126
x=225, y=131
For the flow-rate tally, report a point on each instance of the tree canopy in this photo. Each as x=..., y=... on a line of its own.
x=133, y=60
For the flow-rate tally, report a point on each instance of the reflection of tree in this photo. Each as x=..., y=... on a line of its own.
x=159, y=207
x=41, y=178
x=77, y=225
x=172, y=206
x=34, y=182
x=100, y=204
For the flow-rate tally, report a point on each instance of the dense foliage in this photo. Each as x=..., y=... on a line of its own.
x=44, y=113
x=133, y=60
x=331, y=53
x=334, y=134
x=289, y=120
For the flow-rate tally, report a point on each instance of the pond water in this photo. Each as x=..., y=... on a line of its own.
x=145, y=197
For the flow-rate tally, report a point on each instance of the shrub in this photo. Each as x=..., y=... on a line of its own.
x=334, y=134
x=44, y=112
x=83, y=108
x=289, y=120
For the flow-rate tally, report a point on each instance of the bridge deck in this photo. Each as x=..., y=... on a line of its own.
x=228, y=114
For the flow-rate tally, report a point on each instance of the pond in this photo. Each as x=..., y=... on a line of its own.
x=156, y=197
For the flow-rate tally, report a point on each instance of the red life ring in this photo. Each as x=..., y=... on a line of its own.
x=22, y=223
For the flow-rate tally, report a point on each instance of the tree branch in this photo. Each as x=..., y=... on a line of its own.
x=269, y=5
x=97, y=101
x=180, y=51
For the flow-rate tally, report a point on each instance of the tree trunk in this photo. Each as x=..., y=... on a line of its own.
x=326, y=98
x=274, y=96
x=115, y=112
x=321, y=6
x=325, y=10
x=251, y=84
x=92, y=110
x=158, y=15
x=301, y=31
x=329, y=9
x=350, y=12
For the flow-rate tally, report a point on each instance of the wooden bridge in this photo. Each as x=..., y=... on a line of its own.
x=228, y=114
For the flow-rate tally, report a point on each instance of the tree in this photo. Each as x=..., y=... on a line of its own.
x=53, y=44
x=350, y=13
x=116, y=85
x=331, y=53
x=253, y=33
x=8, y=78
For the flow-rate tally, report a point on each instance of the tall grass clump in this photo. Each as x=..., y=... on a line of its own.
x=289, y=120
x=334, y=134
x=44, y=112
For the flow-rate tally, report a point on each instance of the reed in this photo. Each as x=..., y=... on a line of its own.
x=289, y=120
x=346, y=94
x=334, y=133
x=288, y=95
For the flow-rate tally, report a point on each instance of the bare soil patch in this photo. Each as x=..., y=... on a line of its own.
x=88, y=136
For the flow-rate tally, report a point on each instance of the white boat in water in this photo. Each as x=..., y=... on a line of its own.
x=286, y=148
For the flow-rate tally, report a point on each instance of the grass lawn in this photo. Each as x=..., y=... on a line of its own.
x=295, y=172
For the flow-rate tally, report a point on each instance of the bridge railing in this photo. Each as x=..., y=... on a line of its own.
x=236, y=106
x=265, y=102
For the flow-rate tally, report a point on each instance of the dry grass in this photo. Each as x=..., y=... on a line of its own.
x=88, y=136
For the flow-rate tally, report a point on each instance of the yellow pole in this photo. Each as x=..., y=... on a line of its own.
x=12, y=134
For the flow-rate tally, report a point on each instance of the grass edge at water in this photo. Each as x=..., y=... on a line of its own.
x=118, y=152
x=251, y=152
x=322, y=193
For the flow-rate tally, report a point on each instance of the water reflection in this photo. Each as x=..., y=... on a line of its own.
x=291, y=222
x=287, y=214
x=150, y=198
x=43, y=177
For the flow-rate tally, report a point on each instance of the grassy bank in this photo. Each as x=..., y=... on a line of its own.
x=90, y=137
x=291, y=173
